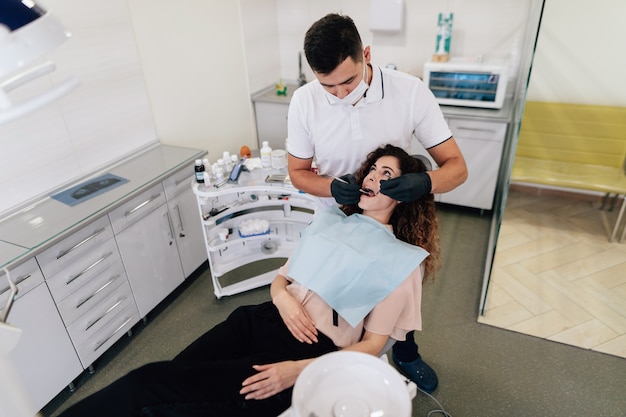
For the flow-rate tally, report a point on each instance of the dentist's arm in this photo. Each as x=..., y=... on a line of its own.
x=344, y=190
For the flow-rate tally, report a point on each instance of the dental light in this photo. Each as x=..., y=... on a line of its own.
x=27, y=33
x=346, y=384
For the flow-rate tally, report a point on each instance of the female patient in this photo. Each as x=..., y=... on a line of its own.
x=353, y=282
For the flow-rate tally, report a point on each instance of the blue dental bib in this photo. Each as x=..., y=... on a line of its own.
x=352, y=262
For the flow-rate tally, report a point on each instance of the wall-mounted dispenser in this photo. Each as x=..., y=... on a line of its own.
x=387, y=15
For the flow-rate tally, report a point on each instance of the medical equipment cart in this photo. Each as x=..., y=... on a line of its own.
x=237, y=255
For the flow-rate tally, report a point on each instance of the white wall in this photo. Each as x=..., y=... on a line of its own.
x=106, y=117
x=151, y=70
x=260, y=35
x=580, y=53
x=182, y=72
x=491, y=28
x=195, y=70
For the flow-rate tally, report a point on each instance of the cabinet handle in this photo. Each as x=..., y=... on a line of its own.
x=113, y=307
x=17, y=282
x=476, y=129
x=5, y=312
x=178, y=182
x=83, y=301
x=171, y=226
x=90, y=267
x=180, y=221
x=148, y=201
x=82, y=242
x=120, y=327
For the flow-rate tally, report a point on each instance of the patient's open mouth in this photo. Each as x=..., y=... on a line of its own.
x=367, y=191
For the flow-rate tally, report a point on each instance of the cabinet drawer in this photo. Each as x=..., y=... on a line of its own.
x=90, y=324
x=92, y=293
x=83, y=270
x=26, y=276
x=137, y=208
x=477, y=129
x=74, y=247
x=178, y=182
x=111, y=332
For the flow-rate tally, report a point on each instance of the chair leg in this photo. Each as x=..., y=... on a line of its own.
x=605, y=199
x=621, y=239
x=618, y=221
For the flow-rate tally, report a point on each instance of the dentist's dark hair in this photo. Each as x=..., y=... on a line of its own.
x=331, y=40
x=415, y=222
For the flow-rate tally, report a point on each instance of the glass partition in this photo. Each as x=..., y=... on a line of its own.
x=530, y=43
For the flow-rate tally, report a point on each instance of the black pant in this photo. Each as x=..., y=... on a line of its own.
x=205, y=378
x=406, y=350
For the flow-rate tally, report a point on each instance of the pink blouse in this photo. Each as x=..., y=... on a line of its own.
x=395, y=315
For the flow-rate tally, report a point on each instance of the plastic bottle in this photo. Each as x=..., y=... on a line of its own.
x=266, y=155
x=226, y=158
x=199, y=168
x=207, y=178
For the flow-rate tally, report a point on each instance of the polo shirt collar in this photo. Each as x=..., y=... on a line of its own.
x=376, y=91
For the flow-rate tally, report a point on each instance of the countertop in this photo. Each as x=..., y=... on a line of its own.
x=268, y=95
x=27, y=232
x=504, y=114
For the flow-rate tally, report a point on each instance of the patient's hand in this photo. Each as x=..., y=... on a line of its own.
x=272, y=379
x=295, y=317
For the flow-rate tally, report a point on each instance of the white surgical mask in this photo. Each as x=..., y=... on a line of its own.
x=355, y=95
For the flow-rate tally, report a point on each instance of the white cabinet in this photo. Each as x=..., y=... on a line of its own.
x=187, y=227
x=271, y=123
x=85, y=276
x=286, y=210
x=78, y=301
x=481, y=143
x=271, y=111
x=44, y=359
x=144, y=231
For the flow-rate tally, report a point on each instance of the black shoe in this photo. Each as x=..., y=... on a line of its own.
x=419, y=372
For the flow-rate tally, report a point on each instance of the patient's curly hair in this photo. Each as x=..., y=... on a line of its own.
x=416, y=222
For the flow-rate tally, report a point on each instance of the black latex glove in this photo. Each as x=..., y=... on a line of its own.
x=347, y=192
x=407, y=187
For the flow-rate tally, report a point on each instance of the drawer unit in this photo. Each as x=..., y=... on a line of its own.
x=136, y=208
x=83, y=270
x=89, y=325
x=109, y=333
x=74, y=247
x=92, y=293
x=178, y=183
x=74, y=297
x=87, y=280
x=26, y=276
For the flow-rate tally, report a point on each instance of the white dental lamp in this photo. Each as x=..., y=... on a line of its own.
x=27, y=33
